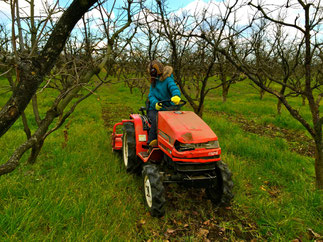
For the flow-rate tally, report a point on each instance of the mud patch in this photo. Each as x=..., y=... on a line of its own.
x=297, y=141
x=200, y=219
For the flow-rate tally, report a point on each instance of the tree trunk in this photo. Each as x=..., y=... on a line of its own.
x=21, y=39
x=25, y=123
x=225, y=91
x=319, y=163
x=262, y=93
x=197, y=95
x=279, y=107
x=282, y=92
x=313, y=105
x=35, y=109
x=33, y=29
x=199, y=110
x=35, y=151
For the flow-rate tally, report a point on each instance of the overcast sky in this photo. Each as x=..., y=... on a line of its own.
x=177, y=7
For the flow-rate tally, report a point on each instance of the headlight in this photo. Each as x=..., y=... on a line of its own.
x=209, y=145
x=185, y=147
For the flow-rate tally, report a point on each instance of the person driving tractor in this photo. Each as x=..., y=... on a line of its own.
x=163, y=87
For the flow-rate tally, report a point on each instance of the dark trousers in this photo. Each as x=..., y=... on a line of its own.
x=152, y=114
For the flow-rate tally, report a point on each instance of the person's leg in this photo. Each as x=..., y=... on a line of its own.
x=152, y=135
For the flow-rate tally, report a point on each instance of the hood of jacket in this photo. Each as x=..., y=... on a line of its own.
x=162, y=71
x=168, y=70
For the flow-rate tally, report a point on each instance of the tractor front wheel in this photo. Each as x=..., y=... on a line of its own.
x=130, y=160
x=153, y=190
x=220, y=190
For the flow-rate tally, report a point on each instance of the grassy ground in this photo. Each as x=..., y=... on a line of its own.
x=78, y=189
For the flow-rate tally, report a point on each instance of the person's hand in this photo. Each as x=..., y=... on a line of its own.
x=158, y=107
x=176, y=100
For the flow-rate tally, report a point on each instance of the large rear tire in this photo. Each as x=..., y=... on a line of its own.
x=130, y=159
x=153, y=190
x=220, y=191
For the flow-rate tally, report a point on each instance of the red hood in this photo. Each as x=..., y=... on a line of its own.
x=184, y=126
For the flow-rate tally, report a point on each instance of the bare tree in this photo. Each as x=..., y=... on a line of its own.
x=179, y=32
x=313, y=16
x=307, y=46
x=150, y=31
x=73, y=73
x=31, y=71
x=227, y=73
x=262, y=61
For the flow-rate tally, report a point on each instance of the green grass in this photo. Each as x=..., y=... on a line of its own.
x=243, y=99
x=81, y=192
x=73, y=193
x=275, y=185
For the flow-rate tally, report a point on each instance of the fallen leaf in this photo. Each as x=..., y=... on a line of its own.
x=207, y=222
x=185, y=225
x=315, y=235
x=142, y=221
x=170, y=231
x=263, y=188
x=222, y=229
x=195, y=213
x=203, y=232
x=273, y=193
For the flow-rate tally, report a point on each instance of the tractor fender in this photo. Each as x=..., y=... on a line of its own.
x=141, y=134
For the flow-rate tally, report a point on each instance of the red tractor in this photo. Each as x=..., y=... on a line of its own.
x=188, y=152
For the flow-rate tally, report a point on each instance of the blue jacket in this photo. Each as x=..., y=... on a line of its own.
x=164, y=90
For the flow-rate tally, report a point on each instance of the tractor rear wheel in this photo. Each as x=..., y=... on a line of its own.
x=153, y=190
x=220, y=191
x=130, y=160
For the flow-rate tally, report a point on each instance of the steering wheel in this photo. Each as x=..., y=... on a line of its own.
x=168, y=106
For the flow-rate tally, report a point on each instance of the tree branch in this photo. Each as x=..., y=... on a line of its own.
x=32, y=72
x=275, y=20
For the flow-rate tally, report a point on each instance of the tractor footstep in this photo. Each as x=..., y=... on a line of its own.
x=144, y=154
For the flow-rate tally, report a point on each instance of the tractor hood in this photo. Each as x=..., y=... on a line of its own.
x=184, y=126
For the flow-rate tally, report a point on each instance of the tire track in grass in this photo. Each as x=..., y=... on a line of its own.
x=297, y=141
